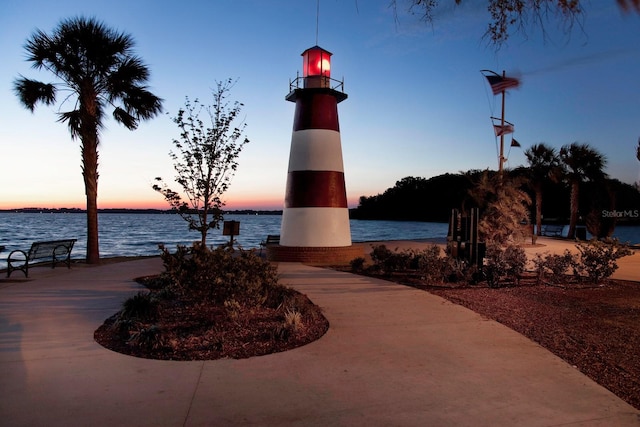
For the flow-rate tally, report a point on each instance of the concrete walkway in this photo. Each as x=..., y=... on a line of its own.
x=393, y=356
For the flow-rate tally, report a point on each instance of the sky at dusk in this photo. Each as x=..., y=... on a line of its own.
x=418, y=104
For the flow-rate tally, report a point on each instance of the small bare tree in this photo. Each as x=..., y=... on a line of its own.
x=206, y=159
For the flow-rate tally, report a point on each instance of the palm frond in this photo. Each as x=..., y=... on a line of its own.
x=139, y=101
x=30, y=92
x=74, y=122
x=126, y=119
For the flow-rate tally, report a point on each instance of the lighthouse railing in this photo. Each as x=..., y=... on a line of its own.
x=299, y=82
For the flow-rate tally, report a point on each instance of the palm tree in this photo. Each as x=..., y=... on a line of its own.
x=544, y=165
x=97, y=66
x=582, y=163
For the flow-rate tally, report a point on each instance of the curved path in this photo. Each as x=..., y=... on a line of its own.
x=393, y=356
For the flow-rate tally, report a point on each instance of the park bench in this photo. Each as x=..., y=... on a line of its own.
x=551, y=230
x=272, y=239
x=55, y=250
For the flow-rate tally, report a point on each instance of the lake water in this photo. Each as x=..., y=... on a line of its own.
x=140, y=234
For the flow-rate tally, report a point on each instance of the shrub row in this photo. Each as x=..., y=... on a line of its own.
x=595, y=261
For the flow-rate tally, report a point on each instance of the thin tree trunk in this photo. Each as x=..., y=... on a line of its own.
x=573, y=219
x=204, y=226
x=539, y=210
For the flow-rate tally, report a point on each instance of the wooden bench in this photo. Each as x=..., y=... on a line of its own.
x=54, y=250
x=272, y=239
x=551, y=230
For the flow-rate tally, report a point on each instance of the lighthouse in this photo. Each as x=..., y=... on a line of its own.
x=315, y=220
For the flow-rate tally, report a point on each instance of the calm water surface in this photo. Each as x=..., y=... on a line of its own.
x=140, y=234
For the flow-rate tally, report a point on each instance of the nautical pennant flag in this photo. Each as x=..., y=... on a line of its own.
x=515, y=143
x=500, y=84
x=503, y=130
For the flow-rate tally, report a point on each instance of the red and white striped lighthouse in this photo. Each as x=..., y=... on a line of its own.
x=315, y=221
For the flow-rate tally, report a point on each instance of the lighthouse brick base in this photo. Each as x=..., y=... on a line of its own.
x=315, y=255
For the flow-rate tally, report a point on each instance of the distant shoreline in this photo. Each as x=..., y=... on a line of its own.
x=135, y=211
x=623, y=221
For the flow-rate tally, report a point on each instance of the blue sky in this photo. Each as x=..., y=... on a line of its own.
x=417, y=106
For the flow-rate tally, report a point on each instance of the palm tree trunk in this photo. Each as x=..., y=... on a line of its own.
x=90, y=174
x=573, y=219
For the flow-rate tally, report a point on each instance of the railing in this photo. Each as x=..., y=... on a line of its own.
x=316, y=81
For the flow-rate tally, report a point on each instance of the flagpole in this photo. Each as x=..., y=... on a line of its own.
x=501, y=159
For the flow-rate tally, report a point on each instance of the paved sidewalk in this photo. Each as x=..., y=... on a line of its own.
x=392, y=356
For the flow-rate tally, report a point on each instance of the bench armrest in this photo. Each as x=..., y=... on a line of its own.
x=24, y=254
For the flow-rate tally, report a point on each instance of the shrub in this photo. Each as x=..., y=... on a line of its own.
x=357, y=264
x=123, y=327
x=598, y=258
x=148, y=338
x=389, y=261
x=141, y=306
x=430, y=265
x=456, y=270
x=293, y=320
x=504, y=265
x=221, y=274
x=553, y=267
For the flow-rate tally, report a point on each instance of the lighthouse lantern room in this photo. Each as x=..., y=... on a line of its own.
x=316, y=67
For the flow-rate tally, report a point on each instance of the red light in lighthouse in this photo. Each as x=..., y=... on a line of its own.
x=316, y=62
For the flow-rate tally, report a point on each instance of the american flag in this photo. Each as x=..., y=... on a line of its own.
x=502, y=130
x=500, y=84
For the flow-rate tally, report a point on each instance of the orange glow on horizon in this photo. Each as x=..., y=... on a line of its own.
x=236, y=204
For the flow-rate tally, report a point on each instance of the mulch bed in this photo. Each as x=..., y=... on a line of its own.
x=191, y=330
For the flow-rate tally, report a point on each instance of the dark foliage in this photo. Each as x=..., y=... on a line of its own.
x=420, y=199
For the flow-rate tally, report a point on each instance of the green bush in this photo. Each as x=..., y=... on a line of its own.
x=219, y=275
x=150, y=338
x=388, y=262
x=553, y=268
x=597, y=259
x=357, y=264
x=141, y=306
x=430, y=264
x=504, y=265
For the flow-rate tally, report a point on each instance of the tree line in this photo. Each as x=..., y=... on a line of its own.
x=560, y=185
